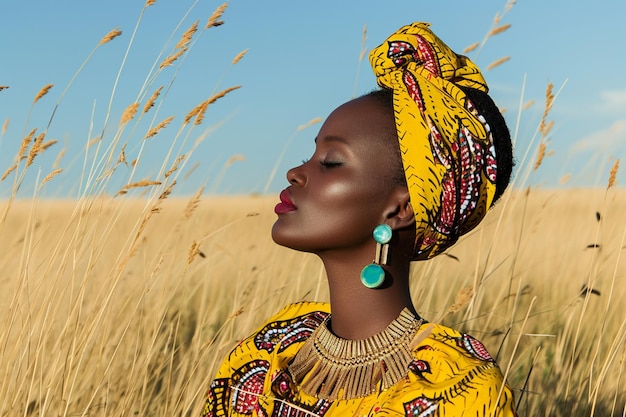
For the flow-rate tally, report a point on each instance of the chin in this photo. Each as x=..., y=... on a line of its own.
x=289, y=238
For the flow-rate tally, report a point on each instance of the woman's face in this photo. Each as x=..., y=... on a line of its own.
x=336, y=198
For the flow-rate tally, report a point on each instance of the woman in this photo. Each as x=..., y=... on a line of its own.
x=397, y=175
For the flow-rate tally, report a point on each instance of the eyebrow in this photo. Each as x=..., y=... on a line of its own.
x=333, y=138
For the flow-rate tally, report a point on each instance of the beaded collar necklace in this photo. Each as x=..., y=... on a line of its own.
x=330, y=367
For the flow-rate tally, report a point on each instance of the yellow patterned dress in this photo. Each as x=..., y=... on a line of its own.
x=452, y=374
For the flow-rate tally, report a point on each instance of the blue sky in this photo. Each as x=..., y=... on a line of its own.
x=302, y=62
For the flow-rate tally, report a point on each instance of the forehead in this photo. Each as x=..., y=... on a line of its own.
x=361, y=119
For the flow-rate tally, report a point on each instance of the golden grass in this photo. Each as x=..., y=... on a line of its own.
x=150, y=103
x=541, y=153
x=499, y=29
x=497, y=63
x=153, y=131
x=110, y=36
x=544, y=126
x=138, y=184
x=613, y=174
x=471, y=47
x=174, y=166
x=129, y=113
x=44, y=90
x=187, y=36
x=214, y=20
x=239, y=56
x=121, y=306
x=199, y=111
x=170, y=59
x=51, y=175
x=134, y=303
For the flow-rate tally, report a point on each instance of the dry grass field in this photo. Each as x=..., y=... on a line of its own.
x=120, y=307
x=124, y=300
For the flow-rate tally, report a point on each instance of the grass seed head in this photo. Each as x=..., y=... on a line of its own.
x=498, y=29
x=122, y=158
x=110, y=36
x=93, y=141
x=8, y=172
x=60, y=155
x=170, y=59
x=51, y=175
x=239, y=56
x=35, y=149
x=462, y=299
x=545, y=127
x=214, y=20
x=129, y=113
x=309, y=123
x=509, y=5
x=21, y=154
x=541, y=153
x=199, y=111
x=193, y=203
x=187, y=36
x=174, y=166
x=48, y=144
x=613, y=174
x=233, y=159
x=152, y=99
x=497, y=63
x=167, y=191
x=138, y=184
x=152, y=132
x=42, y=92
x=470, y=48
x=194, y=250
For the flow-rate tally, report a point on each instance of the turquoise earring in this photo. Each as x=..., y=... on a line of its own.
x=373, y=275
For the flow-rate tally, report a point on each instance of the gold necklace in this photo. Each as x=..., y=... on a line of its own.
x=330, y=367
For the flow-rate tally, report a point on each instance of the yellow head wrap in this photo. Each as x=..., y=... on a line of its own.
x=446, y=146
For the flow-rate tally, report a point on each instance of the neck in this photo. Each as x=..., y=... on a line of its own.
x=359, y=312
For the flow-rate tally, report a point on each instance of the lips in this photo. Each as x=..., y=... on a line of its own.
x=285, y=205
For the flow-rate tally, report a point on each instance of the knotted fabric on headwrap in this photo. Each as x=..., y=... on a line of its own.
x=446, y=146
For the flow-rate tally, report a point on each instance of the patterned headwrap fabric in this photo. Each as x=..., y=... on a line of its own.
x=446, y=146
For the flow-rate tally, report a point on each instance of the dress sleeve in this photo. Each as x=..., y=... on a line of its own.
x=242, y=375
x=218, y=396
x=454, y=374
x=488, y=396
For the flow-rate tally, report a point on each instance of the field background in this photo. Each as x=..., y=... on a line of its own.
x=123, y=300
x=125, y=306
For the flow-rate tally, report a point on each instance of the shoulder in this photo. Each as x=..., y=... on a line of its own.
x=286, y=329
x=293, y=324
x=453, y=369
x=449, y=355
x=300, y=310
x=452, y=344
x=271, y=346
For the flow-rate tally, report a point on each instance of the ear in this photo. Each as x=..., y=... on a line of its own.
x=399, y=213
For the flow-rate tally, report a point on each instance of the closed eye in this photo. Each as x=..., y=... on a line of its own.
x=331, y=164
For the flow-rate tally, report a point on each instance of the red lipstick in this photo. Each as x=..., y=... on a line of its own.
x=285, y=205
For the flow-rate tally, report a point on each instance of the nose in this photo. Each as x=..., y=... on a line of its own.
x=297, y=176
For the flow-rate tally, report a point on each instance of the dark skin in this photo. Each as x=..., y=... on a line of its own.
x=338, y=197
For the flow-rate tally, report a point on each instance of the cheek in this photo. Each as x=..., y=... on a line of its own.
x=354, y=206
